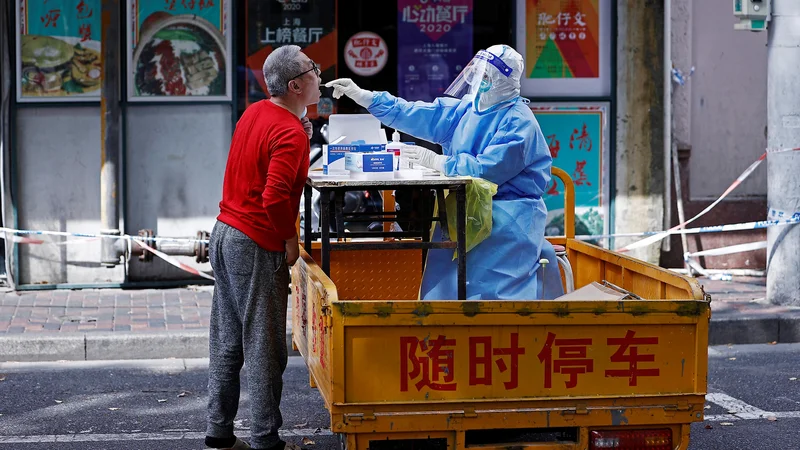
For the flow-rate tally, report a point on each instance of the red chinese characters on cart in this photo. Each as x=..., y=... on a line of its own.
x=430, y=362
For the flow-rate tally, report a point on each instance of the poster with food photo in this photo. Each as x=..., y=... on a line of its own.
x=179, y=50
x=58, y=50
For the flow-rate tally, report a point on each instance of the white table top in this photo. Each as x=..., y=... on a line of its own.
x=317, y=180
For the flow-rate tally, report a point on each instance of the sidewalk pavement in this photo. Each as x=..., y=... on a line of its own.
x=173, y=323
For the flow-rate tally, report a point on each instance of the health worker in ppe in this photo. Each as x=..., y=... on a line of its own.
x=486, y=130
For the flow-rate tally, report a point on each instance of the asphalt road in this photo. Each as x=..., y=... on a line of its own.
x=161, y=404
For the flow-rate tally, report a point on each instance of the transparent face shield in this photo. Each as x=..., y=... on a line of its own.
x=478, y=75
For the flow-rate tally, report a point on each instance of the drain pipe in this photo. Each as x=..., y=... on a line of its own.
x=111, y=250
x=667, y=121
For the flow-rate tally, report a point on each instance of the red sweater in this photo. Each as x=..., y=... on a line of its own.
x=264, y=179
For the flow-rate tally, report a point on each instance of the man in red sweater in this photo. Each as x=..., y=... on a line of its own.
x=252, y=246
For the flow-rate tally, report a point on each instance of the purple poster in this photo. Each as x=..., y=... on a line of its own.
x=434, y=43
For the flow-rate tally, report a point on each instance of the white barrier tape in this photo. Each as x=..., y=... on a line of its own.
x=173, y=261
x=782, y=150
x=730, y=249
x=97, y=236
x=23, y=239
x=11, y=234
x=711, y=229
x=658, y=237
x=777, y=214
x=30, y=240
x=661, y=235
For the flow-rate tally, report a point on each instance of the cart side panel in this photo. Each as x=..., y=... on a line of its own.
x=591, y=263
x=376, y=274
x=312, y=294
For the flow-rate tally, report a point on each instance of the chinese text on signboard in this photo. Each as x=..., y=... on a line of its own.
x=562, y=39
x=58, y=50
x=430, y=362
x=434, y=43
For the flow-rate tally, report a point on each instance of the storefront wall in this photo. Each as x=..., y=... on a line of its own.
x=174, y=153
x=58, y=189
x=174, y=165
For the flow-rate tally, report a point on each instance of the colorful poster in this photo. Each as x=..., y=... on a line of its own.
x=58, y=50
x=309, y=24
x=434, y=42
x=578, y=141
x=179, y=50
x=562, y=38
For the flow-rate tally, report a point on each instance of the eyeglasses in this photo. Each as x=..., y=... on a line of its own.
x=314, y=67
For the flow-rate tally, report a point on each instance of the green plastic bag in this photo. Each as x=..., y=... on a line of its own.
x=479, y=212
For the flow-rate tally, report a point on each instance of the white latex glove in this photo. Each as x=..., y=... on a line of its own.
x=346, y=86
x=424, y=157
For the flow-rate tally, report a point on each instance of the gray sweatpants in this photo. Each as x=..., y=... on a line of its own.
x=248, y=326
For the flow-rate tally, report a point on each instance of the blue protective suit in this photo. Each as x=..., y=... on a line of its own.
x=505, y=146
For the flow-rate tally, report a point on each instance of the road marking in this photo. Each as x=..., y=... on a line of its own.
x=167, y=436
x=739, y=410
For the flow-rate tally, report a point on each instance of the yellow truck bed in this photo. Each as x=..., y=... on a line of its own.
x=397, y=373
x=479, y=373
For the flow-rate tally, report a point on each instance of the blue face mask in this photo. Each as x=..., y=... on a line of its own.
x=486, y=84
x=305, y=111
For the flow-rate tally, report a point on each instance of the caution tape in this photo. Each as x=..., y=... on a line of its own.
x=658, y=237
x=96, y=236
x=661, y=235
x=14, y=236
x=710, y=229
x=739, y=248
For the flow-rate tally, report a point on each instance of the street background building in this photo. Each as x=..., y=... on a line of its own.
x=597, y=73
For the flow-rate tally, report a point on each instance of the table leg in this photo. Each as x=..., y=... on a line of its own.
x=338, y=213
x=325, y=229
x=442, y=211
x=308, y=217
x=461, y=230
x=424, y=223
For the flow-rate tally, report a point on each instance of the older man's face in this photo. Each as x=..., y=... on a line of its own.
x=309, y=79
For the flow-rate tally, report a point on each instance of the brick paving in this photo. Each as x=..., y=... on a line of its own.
x=89, y=310
x=153, y=310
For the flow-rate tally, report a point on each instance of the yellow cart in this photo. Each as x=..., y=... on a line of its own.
x=397, y=373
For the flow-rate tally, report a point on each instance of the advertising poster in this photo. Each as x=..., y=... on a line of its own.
x=58, y=50
x=366, y=54
x=434, y=42
x=309, y=24
x=562, y=38
x=179, y=50
x=578, y=140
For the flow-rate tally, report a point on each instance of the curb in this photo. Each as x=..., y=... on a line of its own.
x=94, y=346
x=746, y=328
x=108, y=346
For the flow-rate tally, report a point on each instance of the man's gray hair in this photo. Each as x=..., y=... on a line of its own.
x=281, y=65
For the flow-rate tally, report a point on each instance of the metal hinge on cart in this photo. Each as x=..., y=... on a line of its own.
x=360, y=417
x=468, y=413
x=580, y=409
x=327, y=316
x=681, y=406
